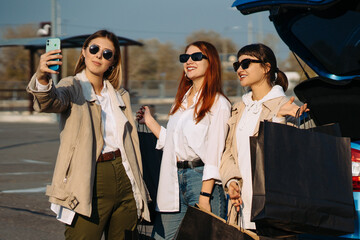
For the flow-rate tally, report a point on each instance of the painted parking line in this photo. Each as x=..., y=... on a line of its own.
x=27, y=190
x=22, y=161
x=24, y=173
x=28, y=143
x=34, y=161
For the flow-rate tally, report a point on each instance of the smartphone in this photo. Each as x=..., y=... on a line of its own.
x=53, y=44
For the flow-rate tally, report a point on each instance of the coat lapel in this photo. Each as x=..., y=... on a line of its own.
x=269, y=110
x=95, y=110
x=236, y=113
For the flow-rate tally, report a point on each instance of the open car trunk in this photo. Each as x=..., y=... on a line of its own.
x=326, y=35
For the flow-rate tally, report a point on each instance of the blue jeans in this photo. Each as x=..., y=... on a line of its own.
x=190, y=183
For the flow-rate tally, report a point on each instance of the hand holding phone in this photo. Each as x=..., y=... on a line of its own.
x=53, y=44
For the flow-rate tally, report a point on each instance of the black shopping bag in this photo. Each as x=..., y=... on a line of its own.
x=302, y=181
x=137, y=234
x=151, y=160
x=199, y=224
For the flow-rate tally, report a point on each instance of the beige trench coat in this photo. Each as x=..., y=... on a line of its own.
x=229, y=167
x=81, y=142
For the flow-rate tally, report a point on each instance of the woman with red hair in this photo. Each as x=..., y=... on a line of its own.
x=193, y=141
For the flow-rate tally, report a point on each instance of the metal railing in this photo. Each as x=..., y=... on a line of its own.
x=168, y=88
x=15, y=98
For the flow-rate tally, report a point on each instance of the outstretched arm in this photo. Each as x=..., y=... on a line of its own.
x=291, y=109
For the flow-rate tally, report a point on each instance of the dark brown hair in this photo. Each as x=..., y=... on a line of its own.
x=266, y=55
x=113, y=74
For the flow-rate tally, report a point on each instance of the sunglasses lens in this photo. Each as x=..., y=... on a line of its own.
x=184, y=58
x=93, y=49
x=107, y=54
x=236, y=66
x=245, y=64
x=196, y=56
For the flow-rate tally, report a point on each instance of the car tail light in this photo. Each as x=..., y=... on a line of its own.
x=355, y=158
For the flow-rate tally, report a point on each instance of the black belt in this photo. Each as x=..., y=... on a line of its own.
x=189, y=164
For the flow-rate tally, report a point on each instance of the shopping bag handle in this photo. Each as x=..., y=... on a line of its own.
x=239, y=219
x=240, y=222
x=304, y=119
x=144, y=127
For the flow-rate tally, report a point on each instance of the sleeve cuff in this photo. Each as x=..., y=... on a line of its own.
x=160, y=143
x=38, y=87
x=63, y=214
x=211, y=172
x=278, y=119
x=230, y=181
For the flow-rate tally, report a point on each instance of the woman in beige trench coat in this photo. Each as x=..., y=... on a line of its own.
x=97, y=186
x=256, y=69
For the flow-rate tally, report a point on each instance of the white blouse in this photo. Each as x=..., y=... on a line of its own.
x=107, y=120
x=244, y=130
x=186, y=140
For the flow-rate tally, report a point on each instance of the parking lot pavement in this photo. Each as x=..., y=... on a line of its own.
x=27, y=157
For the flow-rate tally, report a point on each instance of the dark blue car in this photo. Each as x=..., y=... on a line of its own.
x=326, y=35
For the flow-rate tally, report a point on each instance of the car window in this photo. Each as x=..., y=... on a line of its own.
x=335, y=42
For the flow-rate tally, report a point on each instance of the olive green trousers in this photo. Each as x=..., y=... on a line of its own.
x=113, y=206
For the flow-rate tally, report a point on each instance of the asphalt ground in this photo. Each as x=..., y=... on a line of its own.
x=27, y=158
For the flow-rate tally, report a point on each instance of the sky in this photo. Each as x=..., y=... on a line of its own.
x=165, y=20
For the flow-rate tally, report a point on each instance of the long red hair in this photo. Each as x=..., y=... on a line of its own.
x=211, y=86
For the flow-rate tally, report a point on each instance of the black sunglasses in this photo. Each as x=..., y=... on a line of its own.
x=198, y=56
x=107, y=54
x=244, y=64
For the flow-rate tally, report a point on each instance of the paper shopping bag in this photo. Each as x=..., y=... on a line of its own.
x=199, y=224
x=151, y=160
x=302, y=181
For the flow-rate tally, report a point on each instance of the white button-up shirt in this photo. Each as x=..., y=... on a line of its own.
x=244, y=130
x=107, y=120
x=186, y=140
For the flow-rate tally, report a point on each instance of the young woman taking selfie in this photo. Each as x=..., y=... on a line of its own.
x=97, y=186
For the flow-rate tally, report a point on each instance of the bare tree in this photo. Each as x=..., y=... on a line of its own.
x=290, y=64
x=14, y=61
x=153, y=61
x=223, y=45
x=142, y=63
x=272, y=42
x=70, y=57
x=169, y=67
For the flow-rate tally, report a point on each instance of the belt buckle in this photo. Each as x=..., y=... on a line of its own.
x=190, y=164
x=184, y=165
x=114, y=155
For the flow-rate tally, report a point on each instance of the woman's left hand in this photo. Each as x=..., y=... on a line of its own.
x=204, y=202
x=291, y=109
